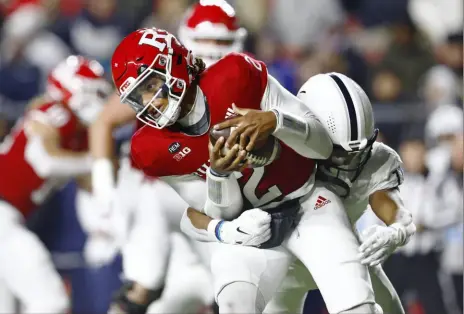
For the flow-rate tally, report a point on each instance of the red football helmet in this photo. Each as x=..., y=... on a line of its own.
x=152, y=72
x=79, y=83
x=210, y=29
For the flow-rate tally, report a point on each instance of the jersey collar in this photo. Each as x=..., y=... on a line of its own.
x=197, y=121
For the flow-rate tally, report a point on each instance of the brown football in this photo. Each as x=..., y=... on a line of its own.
x=262, y=154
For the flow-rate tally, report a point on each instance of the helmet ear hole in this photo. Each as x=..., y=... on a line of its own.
x=331, y=124
x=142, y=69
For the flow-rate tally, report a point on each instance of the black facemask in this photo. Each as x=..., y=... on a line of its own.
x=342, y=161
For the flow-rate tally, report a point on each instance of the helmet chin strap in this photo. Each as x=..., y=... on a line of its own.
x=336, y=183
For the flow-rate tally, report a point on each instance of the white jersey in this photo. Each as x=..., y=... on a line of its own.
x=382, y=171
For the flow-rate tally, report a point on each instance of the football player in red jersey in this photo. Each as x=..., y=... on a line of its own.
x=179, y=101
x=210, y=29
x=47, y=147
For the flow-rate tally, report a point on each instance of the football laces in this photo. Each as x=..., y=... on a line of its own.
x=256, y=160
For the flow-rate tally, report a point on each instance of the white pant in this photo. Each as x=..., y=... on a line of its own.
x=325, y=243
x=291, y=294
x=26, y=268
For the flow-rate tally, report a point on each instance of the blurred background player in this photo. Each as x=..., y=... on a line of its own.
x=45, y=149
x=211, y=30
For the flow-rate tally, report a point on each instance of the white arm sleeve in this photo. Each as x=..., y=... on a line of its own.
x=45, y=165
x=224, y=197
x=103, y=181
x=297, y=126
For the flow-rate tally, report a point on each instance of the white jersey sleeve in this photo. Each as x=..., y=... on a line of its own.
x=389, y=174
x=190, y=188
x=297, y=126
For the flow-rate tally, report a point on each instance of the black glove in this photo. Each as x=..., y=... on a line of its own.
x=122, y=305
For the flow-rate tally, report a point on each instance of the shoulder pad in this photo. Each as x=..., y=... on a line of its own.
x=386, y=167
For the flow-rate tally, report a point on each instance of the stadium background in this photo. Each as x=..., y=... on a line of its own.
x=406, y=54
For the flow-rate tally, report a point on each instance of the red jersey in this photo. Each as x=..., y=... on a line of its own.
x=234, y=79
x=20, y=185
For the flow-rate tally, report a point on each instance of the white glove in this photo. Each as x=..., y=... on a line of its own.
x=100, y=250
x=381, y=241
x=252, y=228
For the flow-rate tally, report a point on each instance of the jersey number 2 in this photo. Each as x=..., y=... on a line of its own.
x=249, y=189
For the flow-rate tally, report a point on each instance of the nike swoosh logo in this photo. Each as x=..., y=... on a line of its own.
x=239, y=230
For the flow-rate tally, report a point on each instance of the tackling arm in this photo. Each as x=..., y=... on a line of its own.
x=251, y=228
x=296, y=126
x=198, y=225
x=112, y=116
x=388, y=206
x=380, y=241
x=194, y=223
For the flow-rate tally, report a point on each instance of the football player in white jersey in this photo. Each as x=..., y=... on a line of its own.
x=246, y=278
x=363, y=172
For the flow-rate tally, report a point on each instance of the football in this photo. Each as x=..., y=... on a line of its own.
x=263, y=153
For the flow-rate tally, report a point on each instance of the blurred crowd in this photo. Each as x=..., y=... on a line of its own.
x=404, y=53
x=407, y=54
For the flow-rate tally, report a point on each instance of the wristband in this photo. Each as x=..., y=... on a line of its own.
x=217, y=230
x=214, y=229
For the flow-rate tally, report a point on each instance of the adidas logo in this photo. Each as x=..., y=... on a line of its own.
x=321, y=202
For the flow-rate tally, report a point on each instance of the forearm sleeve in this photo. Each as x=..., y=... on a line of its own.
x=224, y=198
x=297, y=126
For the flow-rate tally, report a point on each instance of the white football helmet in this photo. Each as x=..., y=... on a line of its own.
x=346, y=112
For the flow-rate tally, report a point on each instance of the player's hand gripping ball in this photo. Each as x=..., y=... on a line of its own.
x=261, y=155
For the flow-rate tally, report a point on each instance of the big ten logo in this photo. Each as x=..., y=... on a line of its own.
x=182, y=154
